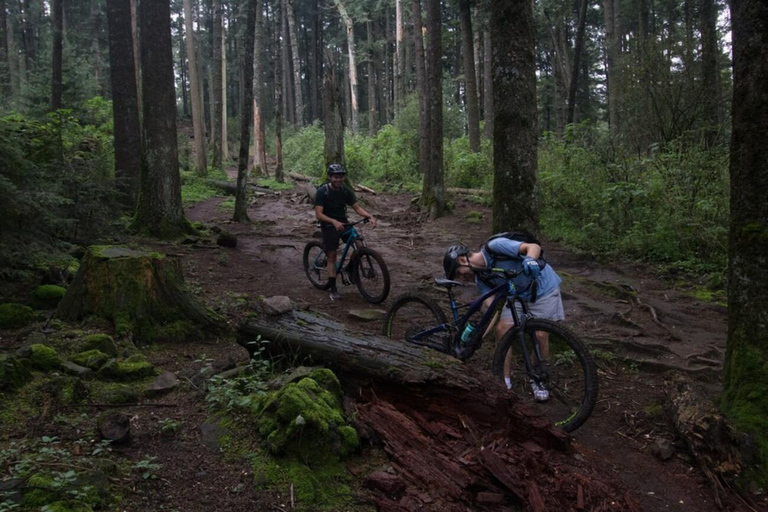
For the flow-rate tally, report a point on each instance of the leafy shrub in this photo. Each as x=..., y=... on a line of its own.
x=465, y=169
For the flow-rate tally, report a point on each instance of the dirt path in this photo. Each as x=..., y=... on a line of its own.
x=640, y=326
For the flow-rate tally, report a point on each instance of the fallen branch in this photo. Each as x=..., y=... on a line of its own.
x=365, y=189
x=299, y=177
x=469, y=191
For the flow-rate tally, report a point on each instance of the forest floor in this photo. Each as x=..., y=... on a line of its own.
x=640, y=327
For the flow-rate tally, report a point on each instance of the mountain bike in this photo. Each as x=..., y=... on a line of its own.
x=568, y=373
x=366, y=267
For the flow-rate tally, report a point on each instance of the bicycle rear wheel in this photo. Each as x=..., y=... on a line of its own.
x=316, y=265
x=411, y=314
x=371, y=275
x=568, y=372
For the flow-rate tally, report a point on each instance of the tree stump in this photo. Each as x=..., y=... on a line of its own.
x=141, y=292
x=454, y=436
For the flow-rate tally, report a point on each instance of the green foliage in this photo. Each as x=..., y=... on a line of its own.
x=465, y=169
x=273, y=184
x=195, y=189
x=304, y=152
x=13, y=315
x=47, y=296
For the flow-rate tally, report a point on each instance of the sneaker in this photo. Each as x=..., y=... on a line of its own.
x=540, y=393
x=335, y=295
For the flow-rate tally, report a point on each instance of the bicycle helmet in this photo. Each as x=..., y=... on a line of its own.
x=336, y=169
x=451, y=259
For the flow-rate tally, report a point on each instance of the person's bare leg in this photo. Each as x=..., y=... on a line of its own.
x=502, y=327
x=331, y=255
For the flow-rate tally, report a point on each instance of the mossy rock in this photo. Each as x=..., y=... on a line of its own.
x=68, y=390
x=44, y=491
x=43, y=357
x=47, y=296
x=306, y=419
x=115, y=394
x=13, y=373
x=101, y=342
x=93, y=359
x=68, y=506
x=14, y=315
x=127, y=370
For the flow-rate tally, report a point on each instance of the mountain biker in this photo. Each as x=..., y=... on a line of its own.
x=517, y=256
x=331, y=203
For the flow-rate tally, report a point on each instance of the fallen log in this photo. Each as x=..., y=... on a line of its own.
x=299, y=177
x=231, y=188
x=470, y=191
x=454, y=436
x=365, y=189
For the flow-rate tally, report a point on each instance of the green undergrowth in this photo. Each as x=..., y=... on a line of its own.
x=194, y=189
x=273, y=184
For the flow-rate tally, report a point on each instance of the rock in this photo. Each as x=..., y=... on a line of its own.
x=368, y=315
x=663, y=449
x=165, y=383
x=14, y=315
x=76, y=370
x=93, y=359
x=43, y=357
x=68, y=390
x=190, y=240
x=13, y=373
x=278, y=305
x=47, y=296
x=34, y=338
x=211, y=433
x=11, y=490
x=390, y=485
x=101, y=342
x=127, y=370
x=116, y=394
x=226, y=239
x=114, y=426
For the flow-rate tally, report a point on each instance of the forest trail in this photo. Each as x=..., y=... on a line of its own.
x=641, y=327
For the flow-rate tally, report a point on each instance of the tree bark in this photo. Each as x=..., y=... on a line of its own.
x=746, y=364
x=515, y=192
x=183, y=69
x=372, y=112
x=259, y=146
x=433, y=188
x=136, y=56
x=332, y=122
x=6, y=78
x=421, y=83
x=125, y=106
x=612, y=57
x=56, y=85
x=299, y=101
x=241, y=202
x=470, y=82
x=196, y=93
x=224, y=135
x=578, y=49
x=710, y=90
x=352, y=61
x=216, y=86
x=315, y=64
x=488, y=83
x=279, y=74
x=399, y=61
x=159, y=210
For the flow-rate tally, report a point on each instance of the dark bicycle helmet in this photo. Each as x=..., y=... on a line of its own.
x=336, y=169
x=451, y=259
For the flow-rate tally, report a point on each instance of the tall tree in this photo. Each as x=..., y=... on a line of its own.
x=196, y=93
x=577, y=51
x=279, y=81
x=488, y=83
x=421, y=82
x=709, y=70
x=515, y=194
x=125, y=105
x=159, y=210
x=5, y=66
x=259, y=147
x=293, y=34
x=241, y=203
x=315, y=61
x=58, y=27
x=399, y=62
x=224, y=136
x=136, y=52
x=612, y=57
x=433, y=188
x=216, y=86
x=470, y=82
x=372, y=125
x=332, y=121
x=746, y=363
x=350, y=27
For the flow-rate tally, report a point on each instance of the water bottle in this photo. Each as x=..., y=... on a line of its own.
x=467, y=334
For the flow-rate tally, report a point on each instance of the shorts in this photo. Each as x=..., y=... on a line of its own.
x=549, y=307
x=331, y=237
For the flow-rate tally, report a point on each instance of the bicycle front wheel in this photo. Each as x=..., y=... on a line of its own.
x=566, y=370
x=371, y=275
x=412, y=314
x=316, y=265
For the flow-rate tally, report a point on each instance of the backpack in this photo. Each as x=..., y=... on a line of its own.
x=517, y=236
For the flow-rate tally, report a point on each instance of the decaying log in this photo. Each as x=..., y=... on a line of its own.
x=298, y=177
x=365, y=189
x=231, y=188
x=453, y=434
x=710, y=438
x=470, y=191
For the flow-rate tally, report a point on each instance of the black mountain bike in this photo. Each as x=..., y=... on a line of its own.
x=366, y=267
x=567, y=371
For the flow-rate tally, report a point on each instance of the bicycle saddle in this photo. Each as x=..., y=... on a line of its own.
x=439, y=281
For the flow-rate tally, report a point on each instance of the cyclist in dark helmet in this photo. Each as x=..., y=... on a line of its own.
x=331, y=203
x=501, y=252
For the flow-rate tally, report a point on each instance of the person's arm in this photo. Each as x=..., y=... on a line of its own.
x=530, y=254
x=361, y=212
x=530, y=250
x=323, y=217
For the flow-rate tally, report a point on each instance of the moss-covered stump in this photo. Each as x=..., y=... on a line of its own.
x=306, y=419
x=43, y=357
x=13, y=315
x=128, y=370
x=140, y=292
x=47, y=296
x=13, y=373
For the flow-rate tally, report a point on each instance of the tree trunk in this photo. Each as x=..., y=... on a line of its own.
x=141, y=292
x=315, y=64
x=612, y=54
x=579, y=48
x=488, y=84
x=159, y=210
x=372, y=125
x=352, y=65
x=470, y=82
x=515, y=193
x=399, y=61
x=136, y=55
x=183, y=69
x=433, y=188
x=125, y=106
x=6, y=78
x=710, y=90
x=421, y=83
x=241, y=202
x=259, y=146
x=289, y=99
x=216, y=81
x=299, y=101
x=224, y=134
x=56, y=86
x=455, y=437
x=381, y=73
x=279, y=61
x=746, y=364
x=332, y=122
x=195, y=91
x=28, y=37
x=478, y=60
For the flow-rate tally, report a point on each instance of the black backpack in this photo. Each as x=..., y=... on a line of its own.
x=517, y=236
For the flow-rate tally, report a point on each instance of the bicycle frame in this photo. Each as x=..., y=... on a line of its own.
x=353, y=237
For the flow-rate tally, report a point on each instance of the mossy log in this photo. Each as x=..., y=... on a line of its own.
x=711, y=440
x=455, y=437
x=143, y=293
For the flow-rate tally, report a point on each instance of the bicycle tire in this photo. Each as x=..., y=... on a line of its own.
x=366, y=275
x=572, y=374
x=412, y=312
x=315, y=274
